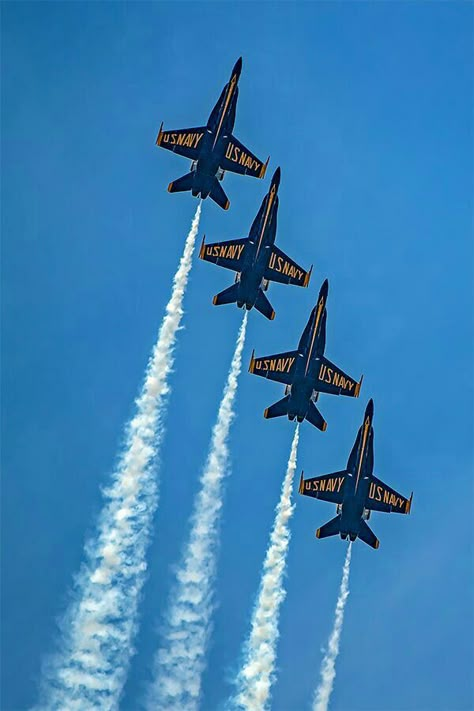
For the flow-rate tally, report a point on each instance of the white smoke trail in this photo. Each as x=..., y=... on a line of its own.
x=257, y=674
x=328, y=665
x=180, y=662
x=97, y=642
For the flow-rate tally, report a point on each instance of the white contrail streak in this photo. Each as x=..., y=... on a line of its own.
x=97, y=642
x=328, y=665
x=180, y=662
x=257, y=674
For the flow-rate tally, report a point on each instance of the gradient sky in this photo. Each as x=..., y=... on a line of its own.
x=367, y=108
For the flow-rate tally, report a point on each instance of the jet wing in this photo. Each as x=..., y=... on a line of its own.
x=331, y=379
x=184, y=141
x=238, y=159
x=382, y=498
x=279, y=367
x=283, y=269
x=225, y=254
x=328, y=487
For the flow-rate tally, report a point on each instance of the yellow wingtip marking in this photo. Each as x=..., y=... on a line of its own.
x=377, y=543
x=170, y=187
x=408, y=507
x=301, y=486
x=265, y=414
x=325, y=426
x=159, y=138
x=308, y=277
x=201, y=251
x=252, y=363
x=227, y=205
x=318, y=531
x=272, y=316
x=358, y=386
x=214, y=300
x=264, y=168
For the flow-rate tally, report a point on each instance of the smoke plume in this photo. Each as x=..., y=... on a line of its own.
x=328, y=665
x=180, y=662
x=257, y=674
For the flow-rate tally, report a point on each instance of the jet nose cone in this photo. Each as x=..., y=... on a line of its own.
x=369, y=410
x=237, y=67
x=324, y=288
x=276, y=177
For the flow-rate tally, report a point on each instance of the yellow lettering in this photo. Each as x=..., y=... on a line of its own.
x=386, y=495
x=181, y=138
x=329, y=372
x=198, y=138
x=340, y=482
x=230, y=148
x=322, y=485
x=379, y=493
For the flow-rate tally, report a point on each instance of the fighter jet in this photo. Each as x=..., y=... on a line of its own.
x=212, y=148
x=306, y=372
x=356, y=491
x=256, y=260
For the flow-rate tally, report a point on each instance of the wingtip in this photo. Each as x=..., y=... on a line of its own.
x=265, y=413
x=159, y=137
x=318, y=532
x=201, y=251
x=272, y=316
x=170, y=187
x=377, y=543
x=308, y=277
x=227, y=205
x=252, y=362
x=264, y=168
x=408, y=509
x=214, y=300
x=324, y=427
x=301, y=486
x=358, y=386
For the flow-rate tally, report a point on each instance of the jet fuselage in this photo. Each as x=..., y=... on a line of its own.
x=311, y=346
x=257, y=250
x=216, y=136
x=360, y=467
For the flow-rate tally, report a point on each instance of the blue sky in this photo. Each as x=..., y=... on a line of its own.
x=367, y=108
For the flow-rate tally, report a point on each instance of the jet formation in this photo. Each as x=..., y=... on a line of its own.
x=257, y=261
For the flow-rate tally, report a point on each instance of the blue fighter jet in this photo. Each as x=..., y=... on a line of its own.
x=256, y=259
x=212, y=149
x=306, y=372
x=356, y=491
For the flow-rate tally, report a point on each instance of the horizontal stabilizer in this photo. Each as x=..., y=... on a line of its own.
x=331, y=528
x=315, y=418
x=278, y=409
x=218, y=195
x=263, y=305
x=367, y=535
x=228, y=296
x=181, y=184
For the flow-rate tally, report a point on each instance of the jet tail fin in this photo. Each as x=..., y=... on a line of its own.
x=278, y=409
x=368, y=536
x=181, y=184
x=315, y=418
x=228, y=296
x=218, y=195
x=263, y=305
x=331, y=528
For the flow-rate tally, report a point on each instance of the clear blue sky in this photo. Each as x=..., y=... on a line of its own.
x=367, y=107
